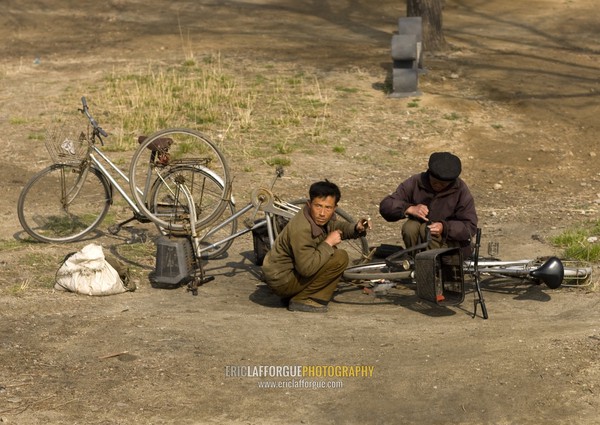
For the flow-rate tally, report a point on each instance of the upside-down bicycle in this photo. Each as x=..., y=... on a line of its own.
x=275, y=212
x=435, y=271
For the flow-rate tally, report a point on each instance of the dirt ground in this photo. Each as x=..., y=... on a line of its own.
x=526, y=76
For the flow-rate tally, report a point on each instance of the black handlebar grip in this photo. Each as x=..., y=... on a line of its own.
x=84, y=102
x=478, y=237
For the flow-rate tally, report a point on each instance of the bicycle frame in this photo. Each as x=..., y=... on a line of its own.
x=138, y=214
x=266, y=203
x=106, y=173
x=220, y=235
x=97, y=132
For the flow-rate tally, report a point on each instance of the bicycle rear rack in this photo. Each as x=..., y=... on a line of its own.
x=190, y=161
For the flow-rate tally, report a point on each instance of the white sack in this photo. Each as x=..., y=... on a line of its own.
x=87, y=272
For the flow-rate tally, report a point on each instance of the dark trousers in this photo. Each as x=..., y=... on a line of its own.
x=414, y=233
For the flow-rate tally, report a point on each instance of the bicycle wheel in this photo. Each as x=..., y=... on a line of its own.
x=375, y=271
x=171, y=149
x=358, y=249
x=56, y=205
x=168, y=203
x=217, y=234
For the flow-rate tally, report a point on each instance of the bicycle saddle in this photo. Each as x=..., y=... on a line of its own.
x=161, y=144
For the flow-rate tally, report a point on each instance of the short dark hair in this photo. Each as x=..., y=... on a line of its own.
x=323, y=189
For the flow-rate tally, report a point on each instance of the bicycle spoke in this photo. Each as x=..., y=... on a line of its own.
x=59, y=204
x=168, y=203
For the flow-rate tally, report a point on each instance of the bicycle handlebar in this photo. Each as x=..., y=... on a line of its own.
x=86, y=111
x=392, y=260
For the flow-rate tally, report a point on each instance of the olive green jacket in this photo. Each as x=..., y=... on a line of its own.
x=300, y=249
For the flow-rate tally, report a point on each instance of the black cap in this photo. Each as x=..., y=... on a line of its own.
x=444, y=166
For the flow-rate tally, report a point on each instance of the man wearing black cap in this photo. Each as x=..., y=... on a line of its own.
x=436, y=199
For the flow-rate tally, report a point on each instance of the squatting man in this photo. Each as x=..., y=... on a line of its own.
x=305, y=264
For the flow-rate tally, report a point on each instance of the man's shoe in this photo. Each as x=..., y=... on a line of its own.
x=307, y=306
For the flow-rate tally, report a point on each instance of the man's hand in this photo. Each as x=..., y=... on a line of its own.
x=436, y=229
x=419, y=211
x=334, y=238
x=363, y=225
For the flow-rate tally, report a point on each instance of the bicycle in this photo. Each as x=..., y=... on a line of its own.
x=574, y=272
x=436, y=273
x=178, y=179
x=522, y=269
x=69, y=199
x=217, y=239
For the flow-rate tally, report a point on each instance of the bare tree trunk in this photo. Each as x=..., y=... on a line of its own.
x=431, y=12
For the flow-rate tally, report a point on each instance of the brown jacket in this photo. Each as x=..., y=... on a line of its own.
x=454, y=206
x=301, y=248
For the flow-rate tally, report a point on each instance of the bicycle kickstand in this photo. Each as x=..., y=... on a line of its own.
x=116, y=228
x=478, y=300
x=198, y=279
x=137, y=235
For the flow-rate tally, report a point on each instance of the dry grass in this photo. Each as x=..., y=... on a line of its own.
x=260, y=113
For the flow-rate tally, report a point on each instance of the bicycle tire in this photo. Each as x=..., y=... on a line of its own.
x=228, y=230
x=358, y=249
x=41, y=206
x=206, y=188
x=168, y=149
x=377, y=270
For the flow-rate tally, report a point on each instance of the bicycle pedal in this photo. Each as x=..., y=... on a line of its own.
x=207, y=279
x=114, y=229
x=137, y=238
